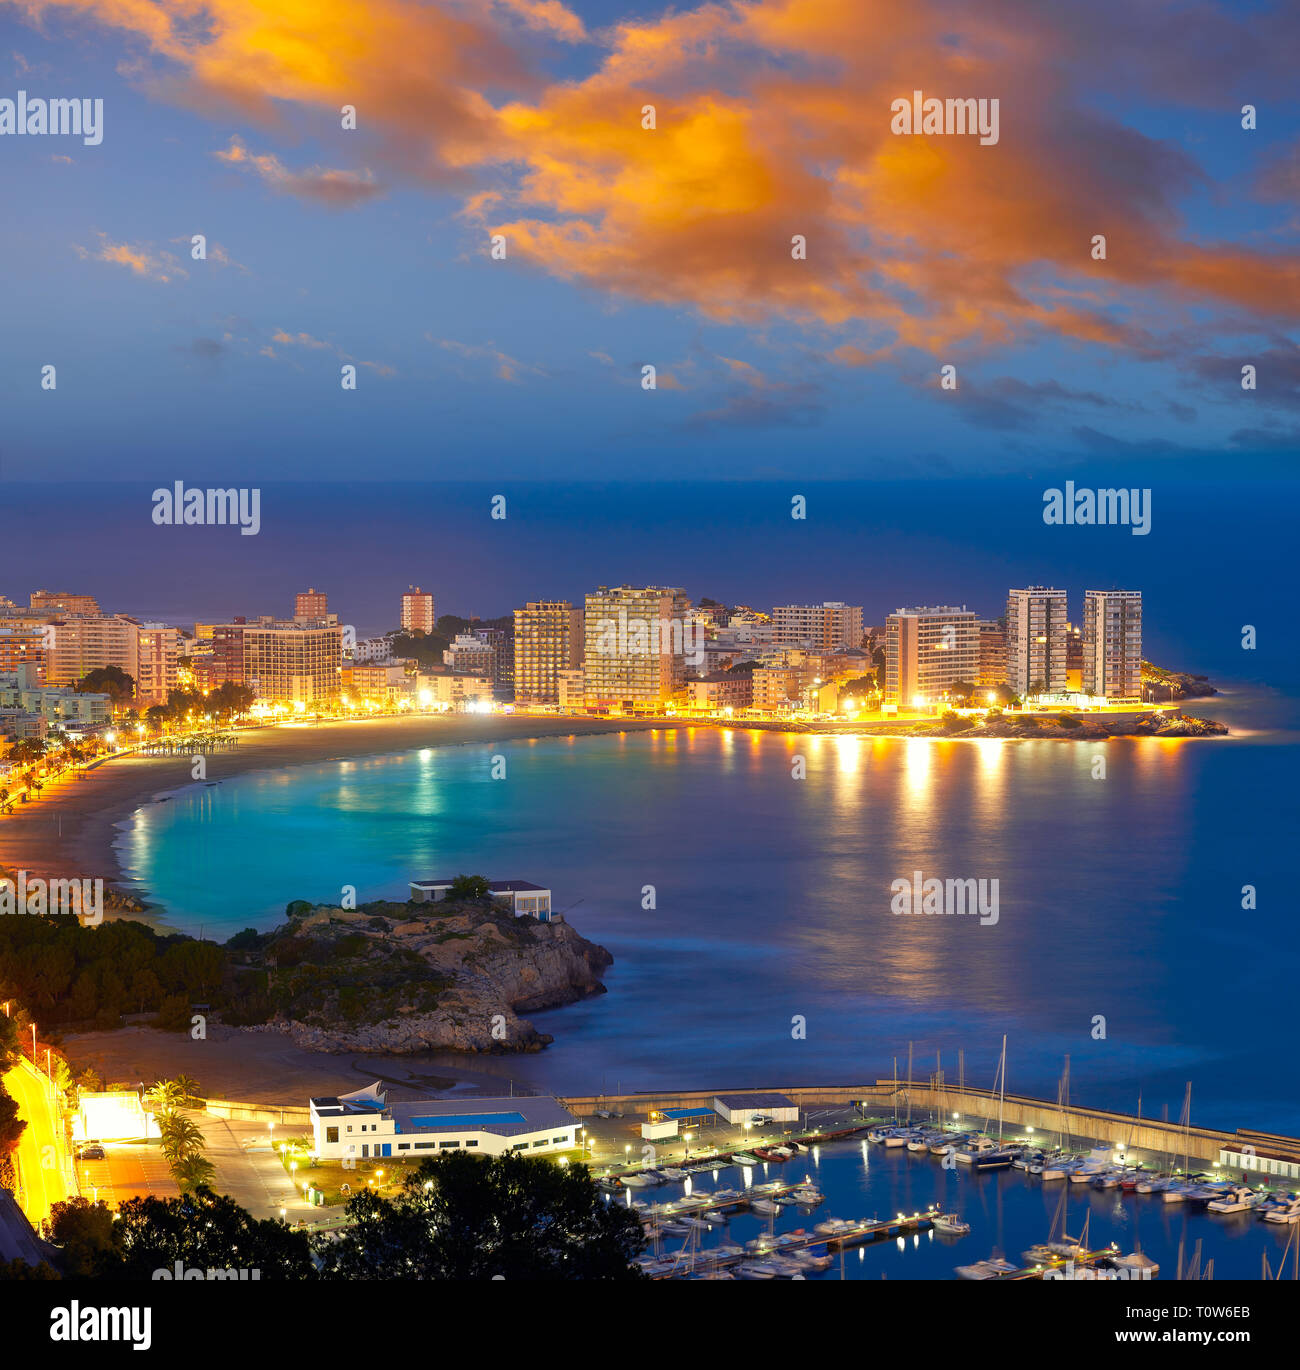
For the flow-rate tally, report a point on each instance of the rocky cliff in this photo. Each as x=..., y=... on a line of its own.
x=419, y=977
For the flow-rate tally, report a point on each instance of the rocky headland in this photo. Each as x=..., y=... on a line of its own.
x=401, y=978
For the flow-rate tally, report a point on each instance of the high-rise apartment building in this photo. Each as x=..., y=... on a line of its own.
x=1036, y=658
x=821, y=627
x=549, y=638
x=993, y=652
x=310, y=604
x=60, y=602
x=22, y=643
x=417, y=610
x=78, y=645
x=158, y=658
x=290, y=663
x=1112, y=643
x=928, y=650
x=639, y=643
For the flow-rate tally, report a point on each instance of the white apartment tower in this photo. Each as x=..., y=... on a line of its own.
x=927, y=651
x=1036, y=638
x=1112, y=643
x=638, y=639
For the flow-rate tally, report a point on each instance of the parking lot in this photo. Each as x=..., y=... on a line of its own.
x=127, y=1170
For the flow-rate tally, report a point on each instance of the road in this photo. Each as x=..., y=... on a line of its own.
x=45, y=1173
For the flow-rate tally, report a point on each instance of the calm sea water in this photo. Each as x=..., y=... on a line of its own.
x=1008, y=1211
x=771, y=955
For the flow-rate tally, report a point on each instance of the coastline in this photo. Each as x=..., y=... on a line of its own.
x=73, y=830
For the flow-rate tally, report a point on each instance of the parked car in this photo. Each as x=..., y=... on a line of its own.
x=91, y=1151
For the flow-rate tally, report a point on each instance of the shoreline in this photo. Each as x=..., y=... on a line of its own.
x=73, y=830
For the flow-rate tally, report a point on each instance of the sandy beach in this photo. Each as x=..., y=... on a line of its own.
x=70, y=830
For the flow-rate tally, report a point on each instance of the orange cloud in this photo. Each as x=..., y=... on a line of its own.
x=141, y=258
x=341, y=189
x=772, y=119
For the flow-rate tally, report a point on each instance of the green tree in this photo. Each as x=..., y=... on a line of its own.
x=112, y=681
x=465, y=1217
x=201, y=1230
x=469, y=887
x=193, y=1172
x=181, y=1137
x=84, y=1233
x=11, y=1125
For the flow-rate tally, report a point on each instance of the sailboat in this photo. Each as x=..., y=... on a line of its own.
x=982, y=1152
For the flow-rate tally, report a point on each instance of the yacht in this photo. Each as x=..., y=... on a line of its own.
x=990, y=1269
x=1237, y=1200
x=950, y=1223
x=1286, y=1212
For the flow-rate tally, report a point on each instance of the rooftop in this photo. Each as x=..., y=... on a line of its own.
x=755, y=1101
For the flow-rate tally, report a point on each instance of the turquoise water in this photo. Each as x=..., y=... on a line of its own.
x=771, y=955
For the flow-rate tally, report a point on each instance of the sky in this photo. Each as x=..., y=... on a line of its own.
x=629, y=246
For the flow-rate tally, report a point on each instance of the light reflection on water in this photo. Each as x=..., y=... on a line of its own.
x=1118, y=897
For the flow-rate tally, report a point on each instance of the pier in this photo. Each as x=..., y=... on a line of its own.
x=971, y=1105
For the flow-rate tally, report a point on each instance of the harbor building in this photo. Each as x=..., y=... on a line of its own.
x=1112, y=644
x=1036, y=637
x=365, y=1125
x=417, y=610
x=927, y=651
x=739, y=1109
x=549, y=638
x=639, y=642
x=519, y=896
x=819, y=627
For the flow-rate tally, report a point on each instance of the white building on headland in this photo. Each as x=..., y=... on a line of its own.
x=521, y=896
x=365, y=1126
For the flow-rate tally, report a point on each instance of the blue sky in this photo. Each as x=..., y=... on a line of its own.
x=530, y=368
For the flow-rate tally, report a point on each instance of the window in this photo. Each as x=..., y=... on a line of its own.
x=442, y=1146
x=541, y=1143
x=403, y=1146
x=471, y=1143
x=331, y=1134
x=424, y=1146
x=349, y=1127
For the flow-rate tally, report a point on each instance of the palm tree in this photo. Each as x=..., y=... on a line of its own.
x=193, y=1171
x=181, y=1137
x=188, y=1087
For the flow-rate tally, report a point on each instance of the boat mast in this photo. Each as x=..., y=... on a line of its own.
x=909, y=1084
x=1002, y=1097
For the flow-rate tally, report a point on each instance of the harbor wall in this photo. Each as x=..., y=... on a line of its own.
x=972, y=1107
